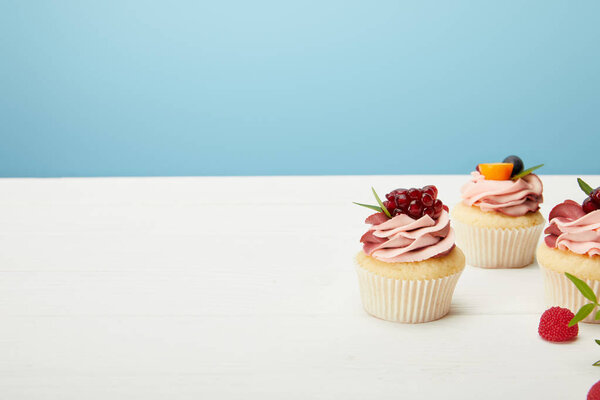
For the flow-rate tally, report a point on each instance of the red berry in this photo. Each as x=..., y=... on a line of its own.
x=414, y=194
x=437, y=206
x=429, y=211
x=415, y=209
x=594, y=393
x=430, y=189
x=389, y=205
x=595, y=195
x=554, y=325
x=398, y=211
x=402, y=200
x=427, y=200
x=390, y=195
x=589, y=205
x=445, y=207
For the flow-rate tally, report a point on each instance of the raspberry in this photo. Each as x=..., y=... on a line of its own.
x=594, y=393
x=554, y=325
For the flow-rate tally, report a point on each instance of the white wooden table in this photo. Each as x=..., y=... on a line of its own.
x=244, y=288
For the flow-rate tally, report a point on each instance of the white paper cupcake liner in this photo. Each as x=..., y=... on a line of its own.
x=560, y=291
x=497, y=248
x=408, y=301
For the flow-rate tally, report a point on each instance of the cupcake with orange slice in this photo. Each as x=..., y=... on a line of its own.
x=498, y=222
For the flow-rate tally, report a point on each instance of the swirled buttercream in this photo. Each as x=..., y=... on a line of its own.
x=513, y=198
x=572, y=229
x=404, y=239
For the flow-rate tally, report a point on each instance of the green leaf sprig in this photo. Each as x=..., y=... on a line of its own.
x=597, y=363
x=526, y=172
x=380, y=208
x=589, y=294
x=587, y=189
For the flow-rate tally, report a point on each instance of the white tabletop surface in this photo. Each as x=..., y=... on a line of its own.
x=244, y=288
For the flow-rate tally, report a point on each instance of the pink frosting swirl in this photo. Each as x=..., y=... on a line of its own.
x=514, y=198
x=404, y=239
x=572, y=229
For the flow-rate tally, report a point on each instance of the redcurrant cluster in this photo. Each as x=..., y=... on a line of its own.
x=415, y=202
x=592, y=203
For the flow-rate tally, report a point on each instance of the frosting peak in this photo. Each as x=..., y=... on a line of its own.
x=572, y=229
x=404, y=239
x=513, y=198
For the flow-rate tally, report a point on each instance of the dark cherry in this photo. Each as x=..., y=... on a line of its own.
x=516, y=162
x=415, y=209
x=595, y=195
x=427, y=200
x=402, y=200
x=438, y=206
x=432, y=190
x=590, y=205
x=429, y=211
x=414, y=194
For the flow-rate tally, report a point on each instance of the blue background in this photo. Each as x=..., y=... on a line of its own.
x=297, y=87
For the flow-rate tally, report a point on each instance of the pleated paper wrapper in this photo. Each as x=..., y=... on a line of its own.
x=497, y=248
x=560, y=291
x=407, y=301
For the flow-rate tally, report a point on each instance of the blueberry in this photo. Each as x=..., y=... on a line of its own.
x=516, y=162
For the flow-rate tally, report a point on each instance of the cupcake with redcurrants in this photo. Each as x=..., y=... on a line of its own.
x=409, y=265
x=572, y=244
x=498, y=223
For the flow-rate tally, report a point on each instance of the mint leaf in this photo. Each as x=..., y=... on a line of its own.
x=585, y=290
x=596, y=364
x=587, y=189
x=598, y=341
x=385, y=210
x=378, y=209
x=582, y=313
x=597, y=317
x=526, y=172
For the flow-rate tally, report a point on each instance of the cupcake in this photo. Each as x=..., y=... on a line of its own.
x=409, y=265
x=572, y=244
x=498, y=223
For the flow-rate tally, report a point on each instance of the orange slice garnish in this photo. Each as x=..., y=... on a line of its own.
x=496, y=171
